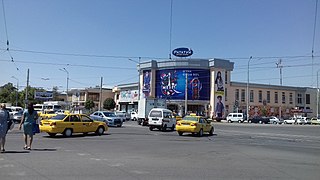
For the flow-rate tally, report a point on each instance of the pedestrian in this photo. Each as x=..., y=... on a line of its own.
x=29, y=117
x=4, y=118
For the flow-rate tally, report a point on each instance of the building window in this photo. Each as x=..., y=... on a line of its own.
x=307, y=98
x=243, y=95
x=226, y=77
x=268, y=96
x=260, y=96
x=299, y=98
x=283, y=98
x=225, y=94
x=290, y=98
x=237, y=94
x=276, y=98
x=251, y=96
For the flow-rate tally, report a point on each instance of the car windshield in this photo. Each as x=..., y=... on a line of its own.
x=59, y=117
x=190, y=118
x=109, y=114
x=155, y=114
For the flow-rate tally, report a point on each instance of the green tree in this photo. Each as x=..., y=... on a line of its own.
x=8, y=93
x=109, y=104
x=89, y=104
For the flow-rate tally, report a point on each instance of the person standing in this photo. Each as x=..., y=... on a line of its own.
x=4, y=118
x=28, y=119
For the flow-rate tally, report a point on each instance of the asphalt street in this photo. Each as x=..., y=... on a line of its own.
x=235, y=151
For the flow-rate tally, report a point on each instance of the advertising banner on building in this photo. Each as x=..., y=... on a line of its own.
x=172, y=84
x=43, y=95
x=219, y=91
x=129, y=96
x=146, y=84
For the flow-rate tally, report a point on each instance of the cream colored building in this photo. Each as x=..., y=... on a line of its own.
x=78, y=97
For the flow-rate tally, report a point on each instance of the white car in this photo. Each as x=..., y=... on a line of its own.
x=235, y=117
x=301, y=121
x=134, y=116
x=275, y=120
x=289, y=121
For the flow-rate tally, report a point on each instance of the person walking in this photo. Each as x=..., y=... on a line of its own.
x=28, y=119
x=4, y=118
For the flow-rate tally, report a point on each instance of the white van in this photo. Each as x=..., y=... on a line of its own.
x=235, y=117
x=161, y=119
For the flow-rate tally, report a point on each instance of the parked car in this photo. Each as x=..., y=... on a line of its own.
x=260, y=120
x=108, y=117
x=17, y=116
x=134, y=116
x=195, y=125
x=291, y=120
x=315, y=120
x=301, y=121
x=67, y=124
x=47, y=114
x=275, y=120
x=307, y=120
x=122, y=115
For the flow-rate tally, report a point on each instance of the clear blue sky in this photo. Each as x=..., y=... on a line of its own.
x=118, y=30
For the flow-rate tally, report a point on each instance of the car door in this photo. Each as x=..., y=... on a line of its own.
x=75, y=123
x=206, y=125
x=87, y=124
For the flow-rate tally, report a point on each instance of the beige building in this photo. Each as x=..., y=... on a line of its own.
x=78, y=97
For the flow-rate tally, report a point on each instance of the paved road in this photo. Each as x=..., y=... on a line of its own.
x=236, y=151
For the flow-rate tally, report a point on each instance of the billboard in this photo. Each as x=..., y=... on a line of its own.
x=219, y=93
x=128, y=96
x=146, y=83
x=172, y=84
x=43, y=95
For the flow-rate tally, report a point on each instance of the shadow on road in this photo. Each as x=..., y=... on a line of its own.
x=15, y=152
x=43, y=149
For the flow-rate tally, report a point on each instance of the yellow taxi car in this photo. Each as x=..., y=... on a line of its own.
x=47, y=114
x=67, y=124
x=194, y=124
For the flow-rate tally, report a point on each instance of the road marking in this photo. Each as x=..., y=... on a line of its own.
x=6, y=166
x=140, y=172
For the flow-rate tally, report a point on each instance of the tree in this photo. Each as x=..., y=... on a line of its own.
x=89, y=104
x=109, y=104
x=8, y=93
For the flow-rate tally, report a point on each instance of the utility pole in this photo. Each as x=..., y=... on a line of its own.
x=280, y=67
x=100, y=99
x=248, y=88
x=26, y=100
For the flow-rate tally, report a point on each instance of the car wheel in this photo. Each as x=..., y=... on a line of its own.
x=260, y=122
x=85, y=133
x=172, y=128
x=119, y=125
x=229, y=121
x=239, y=121
x=67, y=132
x=250, y=121
x=211, y=131
x=200, y=134
x=180, y=133
x=100, y=130
x=151, y=128
x=52, y=134
x=285, y=122
x=274, y=122
x=139, y=122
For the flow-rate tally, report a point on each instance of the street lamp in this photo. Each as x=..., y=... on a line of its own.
x=17, y=89
x=248, y=89
x=64, y=70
